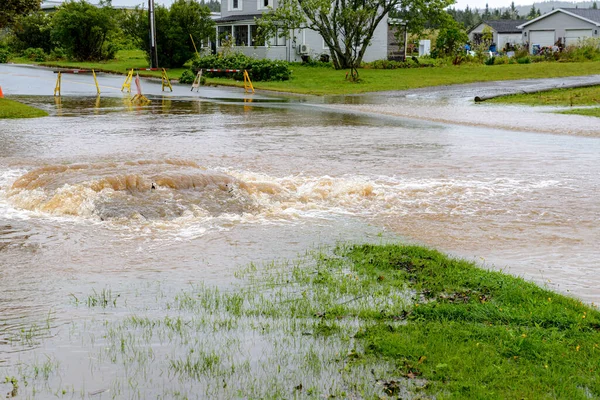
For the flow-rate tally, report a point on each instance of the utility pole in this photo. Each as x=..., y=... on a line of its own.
x=152, y=23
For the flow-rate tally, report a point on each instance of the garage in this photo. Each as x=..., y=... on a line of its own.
x=573, y=36
x=541, y=38
x=569, y=25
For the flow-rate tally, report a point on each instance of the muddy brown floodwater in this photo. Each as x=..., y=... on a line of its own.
x=102, y=194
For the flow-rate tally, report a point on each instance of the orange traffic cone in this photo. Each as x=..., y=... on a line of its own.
x=1, y=94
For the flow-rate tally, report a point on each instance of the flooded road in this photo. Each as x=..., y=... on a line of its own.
x=105, y=194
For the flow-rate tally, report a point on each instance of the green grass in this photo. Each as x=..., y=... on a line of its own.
x=14, y=109
x=326, y=81
x=357, y=321
x=479, y=334
x=124, y=60
x=586, y=96
x=588, y=112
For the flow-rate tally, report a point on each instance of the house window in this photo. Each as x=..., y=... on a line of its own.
x=240, y=32
x=224, y=35
x=235, y=4
x=256, y=41
x=263, y=4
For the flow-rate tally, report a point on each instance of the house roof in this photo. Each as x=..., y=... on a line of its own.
x=506, y=25
x=586, y=14
x=236, y=18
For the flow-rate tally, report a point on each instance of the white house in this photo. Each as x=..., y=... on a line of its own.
x=237, y=23
x=564, y=25
x=503, y=31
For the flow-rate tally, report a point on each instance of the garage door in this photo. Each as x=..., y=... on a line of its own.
x=572, y=36
x=541, y=38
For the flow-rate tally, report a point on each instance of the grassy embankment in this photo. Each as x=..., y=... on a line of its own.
x=419, y=321
x=324, y=81
x=14, y=109
x=589, y=96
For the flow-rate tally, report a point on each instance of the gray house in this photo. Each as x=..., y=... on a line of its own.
x=504, y=32
x=566, y=26
x=237, y=24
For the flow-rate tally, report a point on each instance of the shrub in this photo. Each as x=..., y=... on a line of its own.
x=85, y=31
x=57, y=54
x=34, y=30
x=4, y=55
x=187, y=77
x=490, y=61
x=35, y=54
x=523, y=60
x=258, y=70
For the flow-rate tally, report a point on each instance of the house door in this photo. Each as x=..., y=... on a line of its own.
x=572, y=36
x=541, y=38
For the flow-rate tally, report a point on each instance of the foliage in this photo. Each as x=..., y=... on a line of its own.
x=390, y=64
x=35, y=54
x=34, y=30
x=187, y=77
x=85, y=31
x=173, y=29
x=12, y=9
x=347, y=27
x=450, y=41
x=258, y=70
x=586, y=49
x=4, y=55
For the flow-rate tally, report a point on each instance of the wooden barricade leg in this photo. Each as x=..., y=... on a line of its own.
x=165, y=81
x=57, y=87
x=127, y=83
x=96, y=82
x=248, y=83
x=196, y=83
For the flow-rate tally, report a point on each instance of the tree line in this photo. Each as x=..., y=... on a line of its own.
x=81, y=31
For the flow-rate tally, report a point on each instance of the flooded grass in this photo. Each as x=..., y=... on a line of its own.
x=365, y=321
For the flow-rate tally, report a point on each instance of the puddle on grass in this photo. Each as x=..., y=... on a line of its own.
x=264, y=339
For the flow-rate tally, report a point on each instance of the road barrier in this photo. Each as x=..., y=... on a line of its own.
x=165, y=82
x=247, y=82
x=73, y=71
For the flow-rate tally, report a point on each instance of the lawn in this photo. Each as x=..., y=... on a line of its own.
x=14, y=109
x=588, y=96
x=324, y=81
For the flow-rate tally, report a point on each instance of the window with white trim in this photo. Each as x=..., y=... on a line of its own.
x=263, y=4
x=235, y=5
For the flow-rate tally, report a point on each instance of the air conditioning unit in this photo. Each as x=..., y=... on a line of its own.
x=302, y=49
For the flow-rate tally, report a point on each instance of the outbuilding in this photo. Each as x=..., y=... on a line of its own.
x=563, y=26
x=504, y=32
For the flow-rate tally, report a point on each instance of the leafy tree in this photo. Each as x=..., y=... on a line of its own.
x=34, y=30
x=173, y=29
x=450, y=40
x=85, y=31
x=347, y=26
x=595, y=6
x=12, y=9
